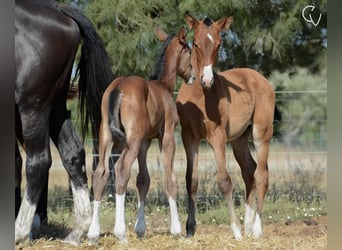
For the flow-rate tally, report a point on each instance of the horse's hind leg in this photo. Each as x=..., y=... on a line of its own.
x=168, y=146
x=100, y=178
x=122, y=175
x=261, y=138
x=248, y=165
x=38, y=161
x=143, y=185
x=73, y=158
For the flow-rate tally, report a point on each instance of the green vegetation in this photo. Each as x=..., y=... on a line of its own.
x=269, y=36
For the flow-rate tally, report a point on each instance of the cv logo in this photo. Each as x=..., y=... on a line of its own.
x=308, y=17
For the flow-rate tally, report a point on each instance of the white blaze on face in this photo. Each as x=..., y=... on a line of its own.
x=210, y=38
x=207, y=75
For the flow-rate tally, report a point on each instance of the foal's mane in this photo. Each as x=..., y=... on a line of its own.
x=207, y=21
x=160, y=63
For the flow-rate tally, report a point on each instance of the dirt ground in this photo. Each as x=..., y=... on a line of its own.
x=300, y=234
x=306, y=234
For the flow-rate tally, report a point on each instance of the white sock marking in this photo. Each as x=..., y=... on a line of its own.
x=236, y=231
x=82, y=210
x=95, y=227
x=257, y=229
x=248, y=221
x=24, y=220
x=120, y=226
x=175, y=224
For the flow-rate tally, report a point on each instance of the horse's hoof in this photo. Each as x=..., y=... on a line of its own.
x=72, y=240
x=123, y=240
x=92, y=242
x=35, y=228
x=22, y=243
x=140, y=234
x=190, y=234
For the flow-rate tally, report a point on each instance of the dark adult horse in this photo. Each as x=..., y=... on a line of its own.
x=222, y=107
x=46, y=41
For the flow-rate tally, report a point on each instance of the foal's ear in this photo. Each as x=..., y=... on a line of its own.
x=225, y=22
x=161, y=35
x=182, y=36
x=190, y=20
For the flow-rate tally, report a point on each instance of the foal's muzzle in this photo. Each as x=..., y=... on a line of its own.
x=207, y=82
x=207, y=78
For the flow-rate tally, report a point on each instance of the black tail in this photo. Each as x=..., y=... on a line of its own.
x=95, y=71
x=114, y=102
x=277, y=114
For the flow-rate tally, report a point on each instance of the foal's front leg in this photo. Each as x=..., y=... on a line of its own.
x=191, y=146
x=224, y=181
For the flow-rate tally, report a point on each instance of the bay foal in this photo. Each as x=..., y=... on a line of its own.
x=222, y=107
x=134, y=111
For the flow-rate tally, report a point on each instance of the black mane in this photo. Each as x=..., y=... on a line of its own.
x=160, y=63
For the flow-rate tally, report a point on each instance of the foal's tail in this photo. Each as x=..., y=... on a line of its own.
x=95, y=71
x=114, y=101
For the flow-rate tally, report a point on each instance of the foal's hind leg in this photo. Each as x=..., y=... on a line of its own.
x=248, y=165
x=168, y=153
x=100, y=179
x=261, y=138
x=73, y=158
x=143, y=185
x=38, y=161
x=122, y=176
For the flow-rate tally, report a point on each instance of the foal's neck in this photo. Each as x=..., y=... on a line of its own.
x=169, y=74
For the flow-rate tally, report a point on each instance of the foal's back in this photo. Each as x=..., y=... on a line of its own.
x=231, y=102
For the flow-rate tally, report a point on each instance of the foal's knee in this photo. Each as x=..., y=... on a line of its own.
x=224, y=184
x=171, y=187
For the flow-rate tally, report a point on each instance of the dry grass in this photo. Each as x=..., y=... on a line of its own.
x=295, y=215
x=295, y=235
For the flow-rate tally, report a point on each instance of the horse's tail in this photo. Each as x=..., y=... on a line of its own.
x=277, y=114
x=114, y=101
x=95, y=71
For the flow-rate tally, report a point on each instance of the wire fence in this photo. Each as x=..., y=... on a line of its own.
x=297, y=162
x=298, y=159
